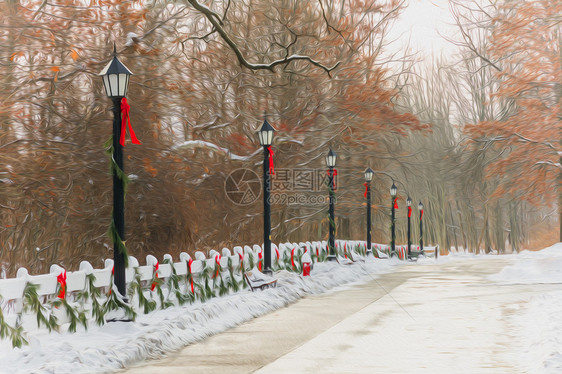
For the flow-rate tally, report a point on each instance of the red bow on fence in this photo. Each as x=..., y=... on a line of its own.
x=409, y=211
x=191, y=274
x=293, y=258
x=156, y=274
x=366, y=189
x=61, y=278
x=271, y=168
x=277, y=253
x=126, y=122
x=421, y=214
x=218, y=261
x=260, y=256
x=395, y=203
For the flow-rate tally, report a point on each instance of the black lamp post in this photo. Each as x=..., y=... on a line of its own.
x=116, y=81
x=265, y=135
x=368, y=178
x=409, y=204
x=393, y=192
x=420, y=207
x=331, y=162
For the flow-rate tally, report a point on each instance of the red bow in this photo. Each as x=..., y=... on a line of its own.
x=156, y=274
x=191, y=275
x=218, y=261
x=395, y=203
x=306, y=269
x=260, y=256
x=421, y=214
x=292, y=258
x=345, y=249
x=61, y=278
x=366, y=188
x=409, y=211
x=277, y=253
x=271, y=168
x=126, y=122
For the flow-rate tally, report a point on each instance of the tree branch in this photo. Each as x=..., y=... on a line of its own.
x=218, y=25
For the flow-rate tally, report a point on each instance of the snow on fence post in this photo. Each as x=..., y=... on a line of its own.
x=151, y=283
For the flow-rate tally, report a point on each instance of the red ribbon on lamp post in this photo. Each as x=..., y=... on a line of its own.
x=126, y=123
x=271, y=167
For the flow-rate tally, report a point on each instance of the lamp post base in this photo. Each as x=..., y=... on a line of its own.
x=268, y=272
x=369, y=252
x=332, y=258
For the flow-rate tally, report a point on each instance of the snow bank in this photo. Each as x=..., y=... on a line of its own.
x=537, y=322
x=543, y=266
x=117, y=345
x=540, y=331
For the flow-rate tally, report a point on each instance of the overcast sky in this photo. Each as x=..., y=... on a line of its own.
x=421, y=23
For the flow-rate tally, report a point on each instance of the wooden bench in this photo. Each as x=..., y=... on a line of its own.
x=259, y=281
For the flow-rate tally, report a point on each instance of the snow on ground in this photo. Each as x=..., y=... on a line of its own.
x=538, y=324
x=116, y=345
x=543, y=266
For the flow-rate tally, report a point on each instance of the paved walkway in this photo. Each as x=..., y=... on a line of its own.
x=421, y=318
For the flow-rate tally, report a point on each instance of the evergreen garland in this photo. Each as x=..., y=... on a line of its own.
x=73, y=314
x=14, y=333
x=116, y=170
x=173, y=284
x=94, y=294
x=145, y=304
x=32, y=303
x=221, y=285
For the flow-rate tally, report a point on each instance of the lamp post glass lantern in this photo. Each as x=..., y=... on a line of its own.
x=116, y=81
x=393, y=193
x=115, y=77
x=368, y=178
x=369, y=174
x=331, y=163
x=409, y=204
x=331, y=159
x=420, y=207
x=265, y=136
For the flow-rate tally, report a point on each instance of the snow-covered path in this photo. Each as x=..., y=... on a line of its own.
x=435, y=318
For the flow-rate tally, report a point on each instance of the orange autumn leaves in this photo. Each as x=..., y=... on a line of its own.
x=526, y=44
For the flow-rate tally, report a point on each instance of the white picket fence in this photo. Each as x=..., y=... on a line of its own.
x=48, y=285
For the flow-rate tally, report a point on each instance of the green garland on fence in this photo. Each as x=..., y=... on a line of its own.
x=173, y=284
x=136, y=288
x=94, y=293
x=76, y=316
x=207, y=285
x=33, y=304
x=14, y=333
